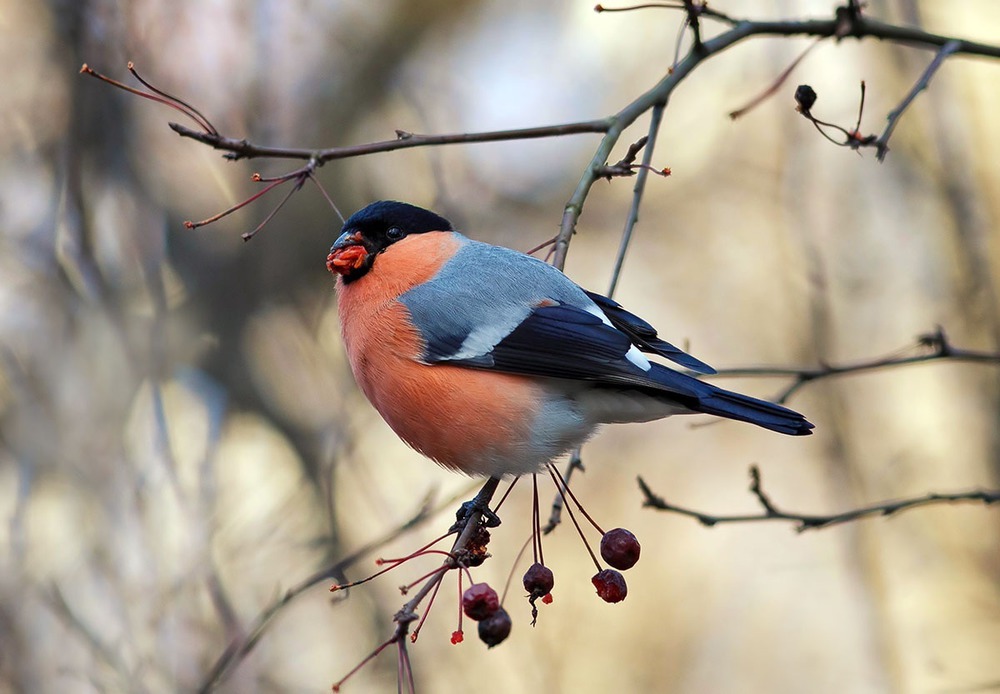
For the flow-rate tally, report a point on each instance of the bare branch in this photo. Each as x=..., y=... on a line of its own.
x=937, y=341
x=805, y=521
x=640, y=186
x=244, y=149
x=241, y=646
x=848, y=23
x=882, y=144
x=774, y=86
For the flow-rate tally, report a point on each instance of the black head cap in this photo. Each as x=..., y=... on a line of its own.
x=382, y=224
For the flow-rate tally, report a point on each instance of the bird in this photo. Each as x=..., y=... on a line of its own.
x=494, y=363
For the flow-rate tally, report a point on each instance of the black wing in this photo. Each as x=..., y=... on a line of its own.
x=644, y=336
x=562, y=341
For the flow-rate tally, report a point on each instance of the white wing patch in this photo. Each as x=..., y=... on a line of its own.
x=483, y=339
x=633, y=354
x=638, y=358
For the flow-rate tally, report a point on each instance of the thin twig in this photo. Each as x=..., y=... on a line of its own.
x=555, y=516
x=702, y=9
x=244, y=149
x=656, y=117
x=776, y=85
x=938, y=342
x=804, y=521
x=846, y=24
x=241, y=646
x=882, y=144
x=479, y=504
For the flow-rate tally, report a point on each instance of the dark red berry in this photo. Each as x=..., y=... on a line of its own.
x=479, y=601
x=495, y=628
x=610, y=585
x=620, y=548
x=538, y=580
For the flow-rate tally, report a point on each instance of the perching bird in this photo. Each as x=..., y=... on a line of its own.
x=492, y=362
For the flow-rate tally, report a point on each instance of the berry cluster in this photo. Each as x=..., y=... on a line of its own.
x=479, y=602
x=482, y=604
x=620, y=549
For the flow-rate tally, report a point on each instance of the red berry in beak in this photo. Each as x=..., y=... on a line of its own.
x=343, y=260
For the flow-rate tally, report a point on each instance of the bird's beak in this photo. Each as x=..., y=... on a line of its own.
x=347, y=253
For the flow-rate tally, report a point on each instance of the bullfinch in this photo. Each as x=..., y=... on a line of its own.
x=494, y=363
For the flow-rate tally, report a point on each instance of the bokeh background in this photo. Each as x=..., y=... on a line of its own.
x=181, y=440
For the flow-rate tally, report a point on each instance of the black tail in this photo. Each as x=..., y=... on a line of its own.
x=698, y=396
x=725, y=403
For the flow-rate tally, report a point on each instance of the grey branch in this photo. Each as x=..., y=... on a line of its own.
x=805, y=521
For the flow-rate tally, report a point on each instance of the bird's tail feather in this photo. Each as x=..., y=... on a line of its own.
x=724, y=403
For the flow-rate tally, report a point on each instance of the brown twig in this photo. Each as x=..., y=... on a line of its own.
x=649, y=140
x=882, y=143
x=941, y=349
x=473, y=514
x=241, y=646
x=700, y=9
x=848, y=22
x=776, y=85
x=805, y=98
x=805, y=521
x=243, y=149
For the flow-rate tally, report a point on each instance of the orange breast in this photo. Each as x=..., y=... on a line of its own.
x=471, y=420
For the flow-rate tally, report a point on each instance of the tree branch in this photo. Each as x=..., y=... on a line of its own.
x=241, y=646
x=937, y=341
x=882, y=143
x=805, y=521
x=244, y=149
x=847, y=22
x=844, y=25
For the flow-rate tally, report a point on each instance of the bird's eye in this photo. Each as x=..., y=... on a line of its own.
x=394, y=233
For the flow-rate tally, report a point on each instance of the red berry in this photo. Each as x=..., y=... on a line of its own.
x=610, y=585
x=538, y=580
x=620, y=548
x=457, y=637
x=479, y=601
x=495, y=628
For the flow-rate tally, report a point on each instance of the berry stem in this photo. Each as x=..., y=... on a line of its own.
x=506, y=494
x=418, y=553
x=440, y=570
x=536, y=523
x=513, y=568
x=367, y=659
x=427, y=610
x=565, y=485
x=461, y=612
x=572, y=517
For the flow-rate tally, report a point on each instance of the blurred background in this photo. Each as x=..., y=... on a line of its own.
x=181, y=440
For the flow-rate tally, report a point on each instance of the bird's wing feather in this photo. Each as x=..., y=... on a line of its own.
x=643, y=335
x=492, y=308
